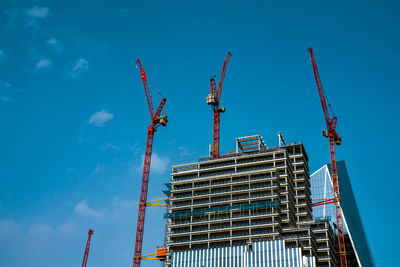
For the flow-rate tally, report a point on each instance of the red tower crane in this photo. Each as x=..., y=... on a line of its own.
x=213, y=100
x=157, y=119
x=333, y=138
x=86, y=255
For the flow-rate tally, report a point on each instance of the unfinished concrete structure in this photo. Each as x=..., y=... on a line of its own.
x=252, y=194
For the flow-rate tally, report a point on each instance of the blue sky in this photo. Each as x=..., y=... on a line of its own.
x=74, y=116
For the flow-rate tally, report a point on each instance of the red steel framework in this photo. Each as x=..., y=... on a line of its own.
x=213, y=99
x=156, y=120
x=333, y=138
x=86, y=255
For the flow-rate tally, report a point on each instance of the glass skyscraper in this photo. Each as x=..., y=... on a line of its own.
x=357, y=246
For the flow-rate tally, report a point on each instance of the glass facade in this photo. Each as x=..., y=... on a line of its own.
x=321, y=187
x=257, y=254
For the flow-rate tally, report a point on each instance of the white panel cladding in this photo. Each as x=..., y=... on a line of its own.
x=263, y=254
x=230, y=257
x=264, y=244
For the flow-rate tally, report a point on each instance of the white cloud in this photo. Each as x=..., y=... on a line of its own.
x=99, y=168
x=100, y=118
x=4, y=86
x=8, y=93
x=68, y=228
x=43, y=64
x=83, y=209
x=40, y=231
x=134, y=148
x=37, y=12
x=6, y=99
x=9, y=226
x=158, y=164
x=116, y=202
x=78, y=68
x=184, y=151
x=56, y=45
x=110, y=146
x=3, y=55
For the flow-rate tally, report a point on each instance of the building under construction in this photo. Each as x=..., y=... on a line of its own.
x=252, y=206
x=245, y=201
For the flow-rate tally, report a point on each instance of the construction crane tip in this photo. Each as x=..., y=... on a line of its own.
x=86, y=254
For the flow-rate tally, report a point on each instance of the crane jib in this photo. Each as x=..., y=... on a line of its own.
x=156, y=120
x=334, y=138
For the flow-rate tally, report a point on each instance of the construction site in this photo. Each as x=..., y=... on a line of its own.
x=256, y=205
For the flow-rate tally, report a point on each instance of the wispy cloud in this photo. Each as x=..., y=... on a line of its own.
x=108, y=146
x=34, y=14
x=43, y=64
x=56, y=45
x=37, y=12
x=9, y=226
x=100, y=118
x=83, y=209
x=158, y=164
x=6, y=89
x=40, y=231
x=6, y=99
x=68, y=228
x=5, y=86
x=8, y=93
x=3, y=56
x=99, y=168
x=184, y=151
x=127, y=204
x=78, y=68
x=44, y=237
x=121, y=147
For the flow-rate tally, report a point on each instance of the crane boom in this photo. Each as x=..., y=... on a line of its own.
x=146, y=88
x=86, y=254
x=223, y=73
x=213, y=99
x=334, y=138
x=157, y=119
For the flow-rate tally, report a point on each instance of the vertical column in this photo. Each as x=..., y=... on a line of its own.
x=214, y=257
x=207, y=255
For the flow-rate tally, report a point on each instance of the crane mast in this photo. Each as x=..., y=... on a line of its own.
x=213, y=99
x=86, y=254
x=156, y=120
x=334, y=139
